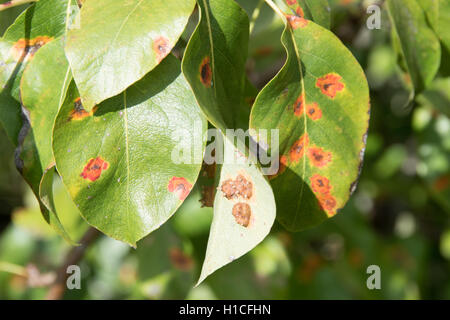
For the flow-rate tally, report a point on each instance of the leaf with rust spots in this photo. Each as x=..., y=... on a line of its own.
x=244, y=212
x=319, y=102
x=135, y=133
x=43, y=87
x=119, y=42
x=214, y=62
x=34, y=28
x=315, y=10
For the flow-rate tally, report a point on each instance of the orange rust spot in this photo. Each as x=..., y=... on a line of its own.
x=237, y=188
x=330, y=84
x=320, y=184
x=206, y=72
x=298, y=148
x=78, y=112
x=94, y=168
x=296, y=22
x=242, y=213
x=299, y=12
x=161, y=47
x=281, y=169
x=26, y=48
x=180, y=186
x=298, y=106
x=180, y=260
x=291, y=2
x=328, y=203
x=319, y=157
x=313, y=111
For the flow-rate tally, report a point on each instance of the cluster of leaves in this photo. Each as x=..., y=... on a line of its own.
x=98, y=95
x=325, y=262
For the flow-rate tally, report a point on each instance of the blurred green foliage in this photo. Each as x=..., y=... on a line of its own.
x=398, y=217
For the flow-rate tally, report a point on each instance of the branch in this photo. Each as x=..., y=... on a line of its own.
x=74, y=256
x=14, y=3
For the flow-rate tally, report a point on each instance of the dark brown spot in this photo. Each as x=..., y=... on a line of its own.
x=242, y=213
x=205, y=72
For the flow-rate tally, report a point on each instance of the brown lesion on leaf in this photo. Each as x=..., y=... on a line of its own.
x=296, y=22
x=206, y=72
x=94, y=168
x=180, y=260
x=78, y=112
x=319, y=157
x=313, y=111
x=330, y=84
x=180, y=186
x=242, y=213
x=299, y=12
x=298, y=148
x=25, y=49
x=237, y=188
x=322, y=188
x=299, y=105
x=161, y=47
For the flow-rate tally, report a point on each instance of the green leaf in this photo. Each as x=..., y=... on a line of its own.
x=121, y=41
x=10, y=114
x=241, y=220
x=315, y=10
x=438, y=14
x=319, y=102
x=116, y=160
x=419, y=45
x=43, y=88
x=36, y=26
x=214, y=60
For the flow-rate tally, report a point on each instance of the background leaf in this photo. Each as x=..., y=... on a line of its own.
x=120, y=41
x=241, y=220
x=214, y=61
x=116, y=161
x=419, y=45
x=319, y=102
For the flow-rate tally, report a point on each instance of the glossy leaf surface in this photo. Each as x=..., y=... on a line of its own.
x=214, y=60
x=118, y=42
x=319, y=102
x=119, y=161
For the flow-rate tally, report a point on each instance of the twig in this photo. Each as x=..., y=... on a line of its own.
x=14, y=3
x=74, y=256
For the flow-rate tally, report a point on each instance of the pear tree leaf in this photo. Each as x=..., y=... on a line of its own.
x=419, y=45
x=244, y=211
x=129, y=163
x=214, y=61
x=119, y=42
x=319, y=102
